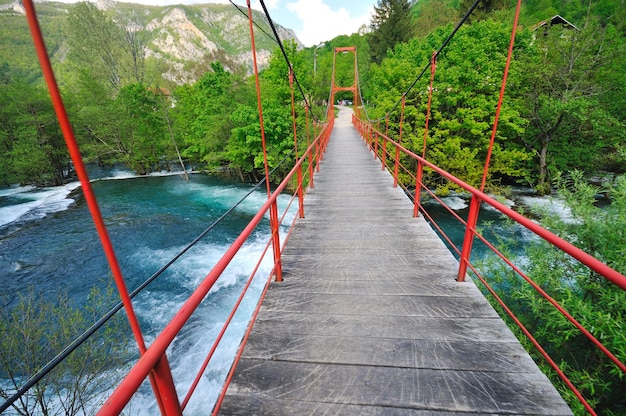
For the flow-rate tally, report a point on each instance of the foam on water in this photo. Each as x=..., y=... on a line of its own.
x=33, y=203
x=29, y=202
x=194, y=342
x=454, y=202
x=543, y=204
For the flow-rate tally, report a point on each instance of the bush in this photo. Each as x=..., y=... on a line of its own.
x=599, y=305
x=35, y=330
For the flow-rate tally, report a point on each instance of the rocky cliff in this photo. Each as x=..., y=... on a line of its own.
x=182, y=38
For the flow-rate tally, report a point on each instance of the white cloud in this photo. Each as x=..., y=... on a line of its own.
x=270, y=4
x=321, y=23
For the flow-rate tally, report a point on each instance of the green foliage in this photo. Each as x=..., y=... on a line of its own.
x=244, y=150
x=31, y=145
x=607, y=11
x=482, y=10
x=34, y=329
x=466, y=90
x=142, y=125
x=561, y=89
x=597, y=304
x=96, y=44
x=431, y=14
x=203, y=114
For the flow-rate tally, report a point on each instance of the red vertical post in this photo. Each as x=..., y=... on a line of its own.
x=355, y=100
x=383, y=158
x=375, y=139
x=472, y=218
x=161, y=378
x=295, y=146
x=308, y=144
x=420, y=166
x=318, y=149
x=385, y=140
x=274, y=207
x=397, y=161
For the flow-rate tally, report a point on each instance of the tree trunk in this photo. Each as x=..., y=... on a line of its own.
x=543, y=184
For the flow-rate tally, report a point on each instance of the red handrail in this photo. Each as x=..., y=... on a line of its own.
x=122, y=394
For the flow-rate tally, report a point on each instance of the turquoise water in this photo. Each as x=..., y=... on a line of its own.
x=48, y=242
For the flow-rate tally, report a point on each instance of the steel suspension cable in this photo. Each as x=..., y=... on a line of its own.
x=255, y=23
x=273, y=208
x=358, y=86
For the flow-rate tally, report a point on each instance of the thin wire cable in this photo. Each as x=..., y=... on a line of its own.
x=358, y=72
x=259, y=27
x=282, y=48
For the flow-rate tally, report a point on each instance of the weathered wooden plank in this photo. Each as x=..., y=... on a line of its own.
x=402, y=327
x=250, y=405
x=404, y=283
x=418, y=389
x=466, y=355
x=376, y=305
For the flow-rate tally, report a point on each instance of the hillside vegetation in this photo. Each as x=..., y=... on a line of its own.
x=142, y=83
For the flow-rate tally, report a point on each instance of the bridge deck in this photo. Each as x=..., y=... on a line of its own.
x=370, y=319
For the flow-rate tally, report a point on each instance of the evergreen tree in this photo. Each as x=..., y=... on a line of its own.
x=391, y=24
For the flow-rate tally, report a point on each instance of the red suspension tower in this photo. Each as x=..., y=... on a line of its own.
x=336, y=88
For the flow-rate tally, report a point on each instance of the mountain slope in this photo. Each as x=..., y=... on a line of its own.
x=181, y=38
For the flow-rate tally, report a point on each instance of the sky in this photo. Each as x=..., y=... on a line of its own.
x=314, y=21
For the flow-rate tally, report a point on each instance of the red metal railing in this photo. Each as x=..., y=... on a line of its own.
x=153, y=363
x=387, y=149
x=145, y=365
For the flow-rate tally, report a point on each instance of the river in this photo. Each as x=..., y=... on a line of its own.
x=48, y=242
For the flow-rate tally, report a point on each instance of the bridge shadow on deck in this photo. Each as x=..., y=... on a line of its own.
x=370, y=319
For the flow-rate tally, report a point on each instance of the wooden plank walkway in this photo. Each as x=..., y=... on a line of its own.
x=370, y=319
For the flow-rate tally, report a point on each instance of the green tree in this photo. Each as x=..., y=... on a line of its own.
x=111, y=53
x=95, y=120
x=391, y=24
x=482, y=10
x=466, y=90
x=35, y=328
x=561, y=93
x=95, y=43
x=31, y=144
x=432, y=15
x=143, y=127
x=244, y=149
x=203, y=114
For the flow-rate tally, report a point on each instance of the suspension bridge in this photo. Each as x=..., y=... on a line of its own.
x=369, y=319
x=365, y=311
